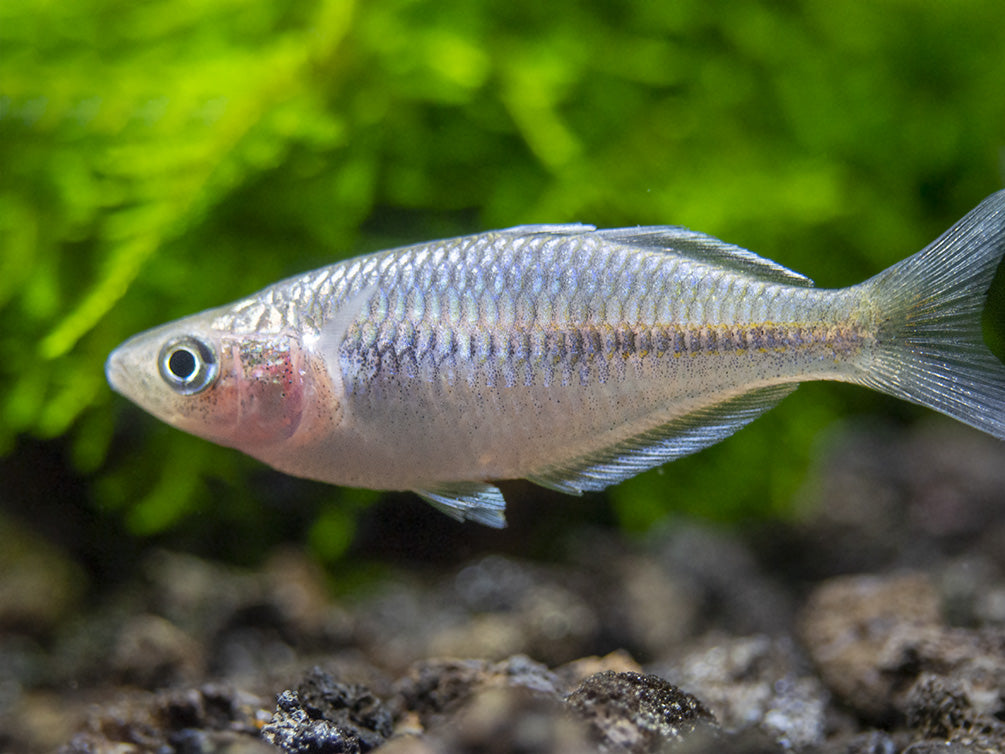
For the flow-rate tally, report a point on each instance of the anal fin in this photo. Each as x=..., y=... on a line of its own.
x=554, y=483
x=667, y=442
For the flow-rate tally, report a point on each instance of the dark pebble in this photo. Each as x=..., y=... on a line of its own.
x=326, y=716
x=632, y=712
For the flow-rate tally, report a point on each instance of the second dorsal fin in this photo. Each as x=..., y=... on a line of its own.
x=704, y=248
x=674, y=239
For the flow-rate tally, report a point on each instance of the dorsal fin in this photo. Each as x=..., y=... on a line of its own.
x=681, y=241
x=558, y=229
x=704, y=248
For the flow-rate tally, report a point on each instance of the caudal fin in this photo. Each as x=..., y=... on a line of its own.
x=929, y=345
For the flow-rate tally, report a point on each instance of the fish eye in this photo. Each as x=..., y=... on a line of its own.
x=188, y=365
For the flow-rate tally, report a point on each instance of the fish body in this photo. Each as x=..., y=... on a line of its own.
x=566, y=355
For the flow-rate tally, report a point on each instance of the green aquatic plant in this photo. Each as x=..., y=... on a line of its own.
x=158, y=158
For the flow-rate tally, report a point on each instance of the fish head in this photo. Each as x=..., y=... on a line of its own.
x=244, y=390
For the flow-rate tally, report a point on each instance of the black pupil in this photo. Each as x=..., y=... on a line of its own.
x=182, y=364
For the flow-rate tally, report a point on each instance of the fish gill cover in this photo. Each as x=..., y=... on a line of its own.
x=159, y=158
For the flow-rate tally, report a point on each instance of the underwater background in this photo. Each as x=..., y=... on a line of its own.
x=159, y=158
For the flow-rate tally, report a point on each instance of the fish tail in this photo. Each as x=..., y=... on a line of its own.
x=929, y=348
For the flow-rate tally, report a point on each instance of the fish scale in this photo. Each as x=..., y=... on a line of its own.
x=566, y=341
x=568, y=356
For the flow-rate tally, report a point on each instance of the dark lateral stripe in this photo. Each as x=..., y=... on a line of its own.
x=406, y=350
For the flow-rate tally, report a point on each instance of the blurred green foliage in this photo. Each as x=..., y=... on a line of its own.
x=161, y=157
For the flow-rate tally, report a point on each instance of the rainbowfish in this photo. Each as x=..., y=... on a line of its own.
x=566, y=355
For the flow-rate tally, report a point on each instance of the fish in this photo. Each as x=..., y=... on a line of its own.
x=569, y=356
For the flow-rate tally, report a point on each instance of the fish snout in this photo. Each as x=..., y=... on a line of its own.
x=115, y=370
